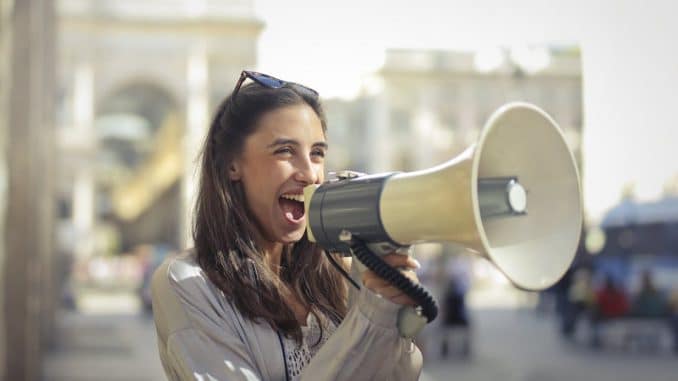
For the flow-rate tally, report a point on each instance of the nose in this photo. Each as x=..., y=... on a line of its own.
x=308, y=172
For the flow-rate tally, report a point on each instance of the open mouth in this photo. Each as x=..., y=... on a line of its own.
x=292, y=206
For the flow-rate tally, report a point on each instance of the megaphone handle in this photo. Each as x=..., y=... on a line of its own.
x=410, y=320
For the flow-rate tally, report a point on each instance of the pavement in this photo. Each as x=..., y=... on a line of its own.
x=508, y=344
x=518, y=345
x=105, y=347
x=107, y=338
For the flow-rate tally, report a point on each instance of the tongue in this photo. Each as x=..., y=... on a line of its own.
x=293, y=210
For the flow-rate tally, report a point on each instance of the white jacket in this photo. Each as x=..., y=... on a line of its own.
x=201, y=336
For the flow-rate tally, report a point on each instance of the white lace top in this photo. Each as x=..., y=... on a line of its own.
x=298, y=356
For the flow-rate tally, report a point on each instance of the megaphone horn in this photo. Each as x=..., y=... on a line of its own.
x=513, y=197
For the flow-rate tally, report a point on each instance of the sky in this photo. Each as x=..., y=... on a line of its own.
x=629, y=59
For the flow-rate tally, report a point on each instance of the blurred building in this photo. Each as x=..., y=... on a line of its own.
x=108, y=163
x=634, y=237
x=424, y=107
x=137, y=84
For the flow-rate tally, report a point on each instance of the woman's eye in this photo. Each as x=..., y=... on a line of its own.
x=285, y=150
x=318, y=153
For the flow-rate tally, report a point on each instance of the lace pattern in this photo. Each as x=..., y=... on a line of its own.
x=298, y=356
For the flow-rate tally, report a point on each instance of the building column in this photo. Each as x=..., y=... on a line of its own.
x=468, y=113
x=378, y=146
x=424, y=122
x=194, y=136
x=5, y=78
x=28, y=222
x=84, y=189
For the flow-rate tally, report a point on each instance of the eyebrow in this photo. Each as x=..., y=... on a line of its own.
x=283, y=141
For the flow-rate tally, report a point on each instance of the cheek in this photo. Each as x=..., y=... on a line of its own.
x=263, y=183
x=281, y=171
x=321, y=172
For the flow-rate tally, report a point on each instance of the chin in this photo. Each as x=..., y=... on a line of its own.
x=292, y=237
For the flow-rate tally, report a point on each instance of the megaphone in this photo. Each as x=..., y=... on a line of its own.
x=514, y=197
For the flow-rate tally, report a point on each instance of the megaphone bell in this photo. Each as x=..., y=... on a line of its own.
x=513, y=197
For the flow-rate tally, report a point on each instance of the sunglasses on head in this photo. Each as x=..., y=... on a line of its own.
x=267, y=81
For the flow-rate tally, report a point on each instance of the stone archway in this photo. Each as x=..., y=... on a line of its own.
x=139, y=165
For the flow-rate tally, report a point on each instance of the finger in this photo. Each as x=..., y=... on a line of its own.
x=396, y=261
x=395, y=295
x=404, y=300
x=369, y=276
x=411, y=275
x=389, y=292
x=375, y=283
x=372, y=278
x=399, y=260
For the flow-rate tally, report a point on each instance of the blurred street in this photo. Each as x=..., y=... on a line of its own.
x=512, y=345
x=508, y=345
x=100, y=345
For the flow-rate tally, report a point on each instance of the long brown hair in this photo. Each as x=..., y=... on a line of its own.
x=224, y=230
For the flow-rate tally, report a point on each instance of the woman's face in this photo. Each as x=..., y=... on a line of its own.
x=284, y=154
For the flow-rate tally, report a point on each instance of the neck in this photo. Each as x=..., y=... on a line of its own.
x=272, y=254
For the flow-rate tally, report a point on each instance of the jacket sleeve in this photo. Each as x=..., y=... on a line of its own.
x=195, y=340
x=199, y=338
x=367, y=346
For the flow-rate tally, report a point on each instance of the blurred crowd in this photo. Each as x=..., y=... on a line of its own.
x=640, y=317
x=127, y=271
x=448, y=276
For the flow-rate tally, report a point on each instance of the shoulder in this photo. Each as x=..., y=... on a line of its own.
x=182, y=293
x=179, y=272
x=182, y=266
x=183, y=275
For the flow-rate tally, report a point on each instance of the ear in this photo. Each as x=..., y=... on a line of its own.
x=234, y=173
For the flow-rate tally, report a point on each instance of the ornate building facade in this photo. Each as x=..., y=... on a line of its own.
x=429, y=106
x=137, y=84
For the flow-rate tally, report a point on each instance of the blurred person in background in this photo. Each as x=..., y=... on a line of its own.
x=255, y=300
x=673, y=318
x=581, y=299
x=455, y=317
x=150, y=257
x=649, y=302
x=610, y=302
x=560, y=294
x=429, y=274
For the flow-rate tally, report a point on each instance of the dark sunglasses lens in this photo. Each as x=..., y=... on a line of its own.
x=267, y=81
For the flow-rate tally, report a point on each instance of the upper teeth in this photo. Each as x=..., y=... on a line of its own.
x=294, y=197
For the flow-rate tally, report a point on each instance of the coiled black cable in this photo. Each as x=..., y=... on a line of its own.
x=415, y=291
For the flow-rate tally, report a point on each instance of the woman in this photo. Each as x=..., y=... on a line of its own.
x=255, y=300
